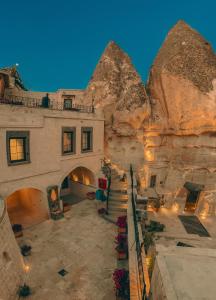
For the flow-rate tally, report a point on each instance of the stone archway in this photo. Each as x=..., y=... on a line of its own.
x=77, y=184
x=27, y=207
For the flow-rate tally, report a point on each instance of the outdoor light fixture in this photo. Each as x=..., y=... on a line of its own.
x=53, y=195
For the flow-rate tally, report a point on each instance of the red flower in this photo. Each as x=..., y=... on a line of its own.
x=122, y=221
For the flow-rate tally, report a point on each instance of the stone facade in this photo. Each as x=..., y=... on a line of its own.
x=11, y=263
x=47, y=166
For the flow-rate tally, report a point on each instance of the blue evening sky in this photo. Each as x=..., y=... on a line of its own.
x=58, y=43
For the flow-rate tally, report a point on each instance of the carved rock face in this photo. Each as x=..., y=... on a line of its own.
x=115, y=81
x=117, y=88
x=171, y=131
x=181, y=81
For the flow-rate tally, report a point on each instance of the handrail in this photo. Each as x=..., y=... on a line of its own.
x=137, y=240
x=107, y=172
x=37, y=103
x=108, y=194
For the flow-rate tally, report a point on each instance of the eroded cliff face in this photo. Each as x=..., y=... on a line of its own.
x=117, y=88
x=182, y=89
x=170, y=130
x=182, y=82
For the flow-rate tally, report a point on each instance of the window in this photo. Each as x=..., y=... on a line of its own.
x=17, y=147
x=68, y=140
x=153, y=181
x=67, y=104
x=87, y=139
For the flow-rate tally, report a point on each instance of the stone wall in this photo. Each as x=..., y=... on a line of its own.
x=11, y=263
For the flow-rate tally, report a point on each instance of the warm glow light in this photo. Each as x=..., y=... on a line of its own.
x=53, y=195
x=175, y=207
x=204, y=213
x=74, y=177
x=149, y=156
x=26, y=268
x=86, y=181
x=16, y=149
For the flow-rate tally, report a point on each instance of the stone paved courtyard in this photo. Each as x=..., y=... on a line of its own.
x=83, y=244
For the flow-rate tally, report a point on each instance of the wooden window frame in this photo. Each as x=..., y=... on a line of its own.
x=69, y=130
x=25, y=135
x=87, y=129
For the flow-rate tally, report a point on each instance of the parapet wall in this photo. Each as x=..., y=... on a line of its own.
x=11, y=263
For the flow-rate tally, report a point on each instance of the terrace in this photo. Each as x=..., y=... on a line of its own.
x=37, y=103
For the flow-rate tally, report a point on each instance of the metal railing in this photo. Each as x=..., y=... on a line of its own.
x=137, y=241
x=37, y=103
x=107, y=172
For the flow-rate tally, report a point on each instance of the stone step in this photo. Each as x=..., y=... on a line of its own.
x=118, y=207
x=117, y=192
x=118, y=186
x=119, y=201
x=119, y=197
x=116, y=213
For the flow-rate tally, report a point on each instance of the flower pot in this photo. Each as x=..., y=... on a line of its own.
x=90, y=195
x=122, y=229
x=121, y=255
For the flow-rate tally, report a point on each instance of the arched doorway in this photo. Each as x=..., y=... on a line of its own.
x=77, y=184
x=26, y=207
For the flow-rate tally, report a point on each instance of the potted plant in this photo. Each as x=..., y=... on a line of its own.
x=102, y=211
x=122, y=224
x=122, y=246
x=24, y=291
x=17, y=229
x=90, y=195
x=121, y=281
x=26, y=250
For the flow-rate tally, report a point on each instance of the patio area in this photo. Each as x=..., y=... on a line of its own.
x=175, y=231
x=83, y=245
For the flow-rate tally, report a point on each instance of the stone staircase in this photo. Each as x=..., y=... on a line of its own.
x=118, y=196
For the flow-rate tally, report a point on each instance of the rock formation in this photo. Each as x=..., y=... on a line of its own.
x=117, y=88
x=168, y=131
x=181, y=83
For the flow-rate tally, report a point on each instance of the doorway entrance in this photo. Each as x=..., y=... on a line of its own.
x=76, y=185
x=153, y=181
x=193, y=192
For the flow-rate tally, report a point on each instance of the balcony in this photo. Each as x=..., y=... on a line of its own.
x=37, y=103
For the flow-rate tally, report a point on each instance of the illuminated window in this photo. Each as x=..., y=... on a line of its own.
x=68, y=140
x=18, y=147
x=87, y=139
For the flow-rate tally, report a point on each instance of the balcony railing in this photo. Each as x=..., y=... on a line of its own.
x=37, y=103
x=137, y=241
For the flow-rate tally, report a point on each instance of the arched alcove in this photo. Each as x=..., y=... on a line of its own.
x=77, y=184
x=26, y=207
